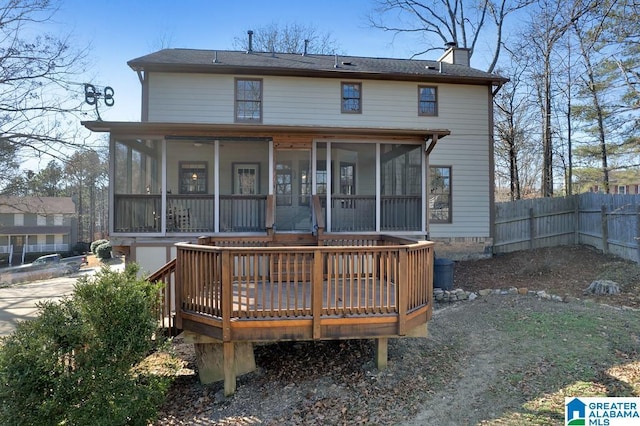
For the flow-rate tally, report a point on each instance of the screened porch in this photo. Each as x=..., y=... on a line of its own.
x=202, y=186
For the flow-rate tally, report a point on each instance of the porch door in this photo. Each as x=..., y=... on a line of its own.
x=292, y=189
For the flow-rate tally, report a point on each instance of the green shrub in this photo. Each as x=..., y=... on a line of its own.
x=81, y=248
x=74, y=363
x=95, y=245
x=103, y=251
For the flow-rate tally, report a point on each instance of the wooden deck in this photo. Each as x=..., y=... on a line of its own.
x=257, y=289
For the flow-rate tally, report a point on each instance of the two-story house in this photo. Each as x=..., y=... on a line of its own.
x=389, y=146
x=309, y=177
x=35, y=226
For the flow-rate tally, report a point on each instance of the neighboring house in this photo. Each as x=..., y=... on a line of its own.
x=620, y=183
x=36, y=225
x=237, y=142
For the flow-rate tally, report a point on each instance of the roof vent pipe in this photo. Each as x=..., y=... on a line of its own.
x=306, y=46
x=335, y=63
x=440, y=67
x=215, y=57
x=250, y=49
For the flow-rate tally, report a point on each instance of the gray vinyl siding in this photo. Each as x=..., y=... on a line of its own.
x=199, y=98
x=301, y=101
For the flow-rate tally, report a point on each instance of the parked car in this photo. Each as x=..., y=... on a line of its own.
x=70, y=264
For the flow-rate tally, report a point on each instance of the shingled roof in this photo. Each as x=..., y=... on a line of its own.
x=310, y=65
x=38, y=205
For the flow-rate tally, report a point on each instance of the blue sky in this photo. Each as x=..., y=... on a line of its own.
x=120, y=30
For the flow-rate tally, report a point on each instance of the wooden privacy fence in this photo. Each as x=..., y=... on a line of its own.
x=609, y=222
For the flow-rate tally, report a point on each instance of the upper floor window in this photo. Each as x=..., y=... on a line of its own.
x=440, y=194
x=427, y=100
x=352, y=98
x=248, y=100
x=622, y=189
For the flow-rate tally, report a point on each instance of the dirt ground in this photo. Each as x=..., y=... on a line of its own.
x=562, y=271
x=499, y=359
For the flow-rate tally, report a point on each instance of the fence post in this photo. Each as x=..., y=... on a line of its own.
x=576, y=219
x=532, y=228
x=638, y=231
x=605, y=229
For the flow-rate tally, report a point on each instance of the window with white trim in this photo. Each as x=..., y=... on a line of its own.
x=248, y=96
x=440, y=194
x=428, y=101
x=351, y=98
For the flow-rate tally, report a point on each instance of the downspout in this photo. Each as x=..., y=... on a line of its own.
x=144, y=83
x=492, y=171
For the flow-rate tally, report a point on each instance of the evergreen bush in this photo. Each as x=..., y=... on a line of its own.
x=95, y=244
x=74, y=363
x=103, y=251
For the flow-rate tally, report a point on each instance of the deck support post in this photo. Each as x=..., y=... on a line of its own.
x=229, y=370
x=217, y=360
x=382, y=344
x=222, y=361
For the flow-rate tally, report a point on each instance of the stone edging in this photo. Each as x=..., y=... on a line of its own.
x=457, y=295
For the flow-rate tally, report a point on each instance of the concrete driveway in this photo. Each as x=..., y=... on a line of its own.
x=18, y=301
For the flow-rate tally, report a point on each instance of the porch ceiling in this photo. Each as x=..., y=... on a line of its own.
x=260, y=130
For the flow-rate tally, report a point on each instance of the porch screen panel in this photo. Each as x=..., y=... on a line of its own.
x=353, y=192
x=137, y=185
x=321, y=178
x=190, y=186
x=244, y=183
x=401, y=187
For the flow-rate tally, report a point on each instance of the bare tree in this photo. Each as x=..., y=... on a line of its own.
x=39, y=94
x=548, y=23
x=288, y=38
x=514, y=148
x=443, y=21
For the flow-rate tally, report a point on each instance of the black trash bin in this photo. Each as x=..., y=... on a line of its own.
x=443, y=273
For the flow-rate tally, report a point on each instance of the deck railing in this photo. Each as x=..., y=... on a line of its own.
x=352, y=287
x=165, y=309
x=46, y=248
